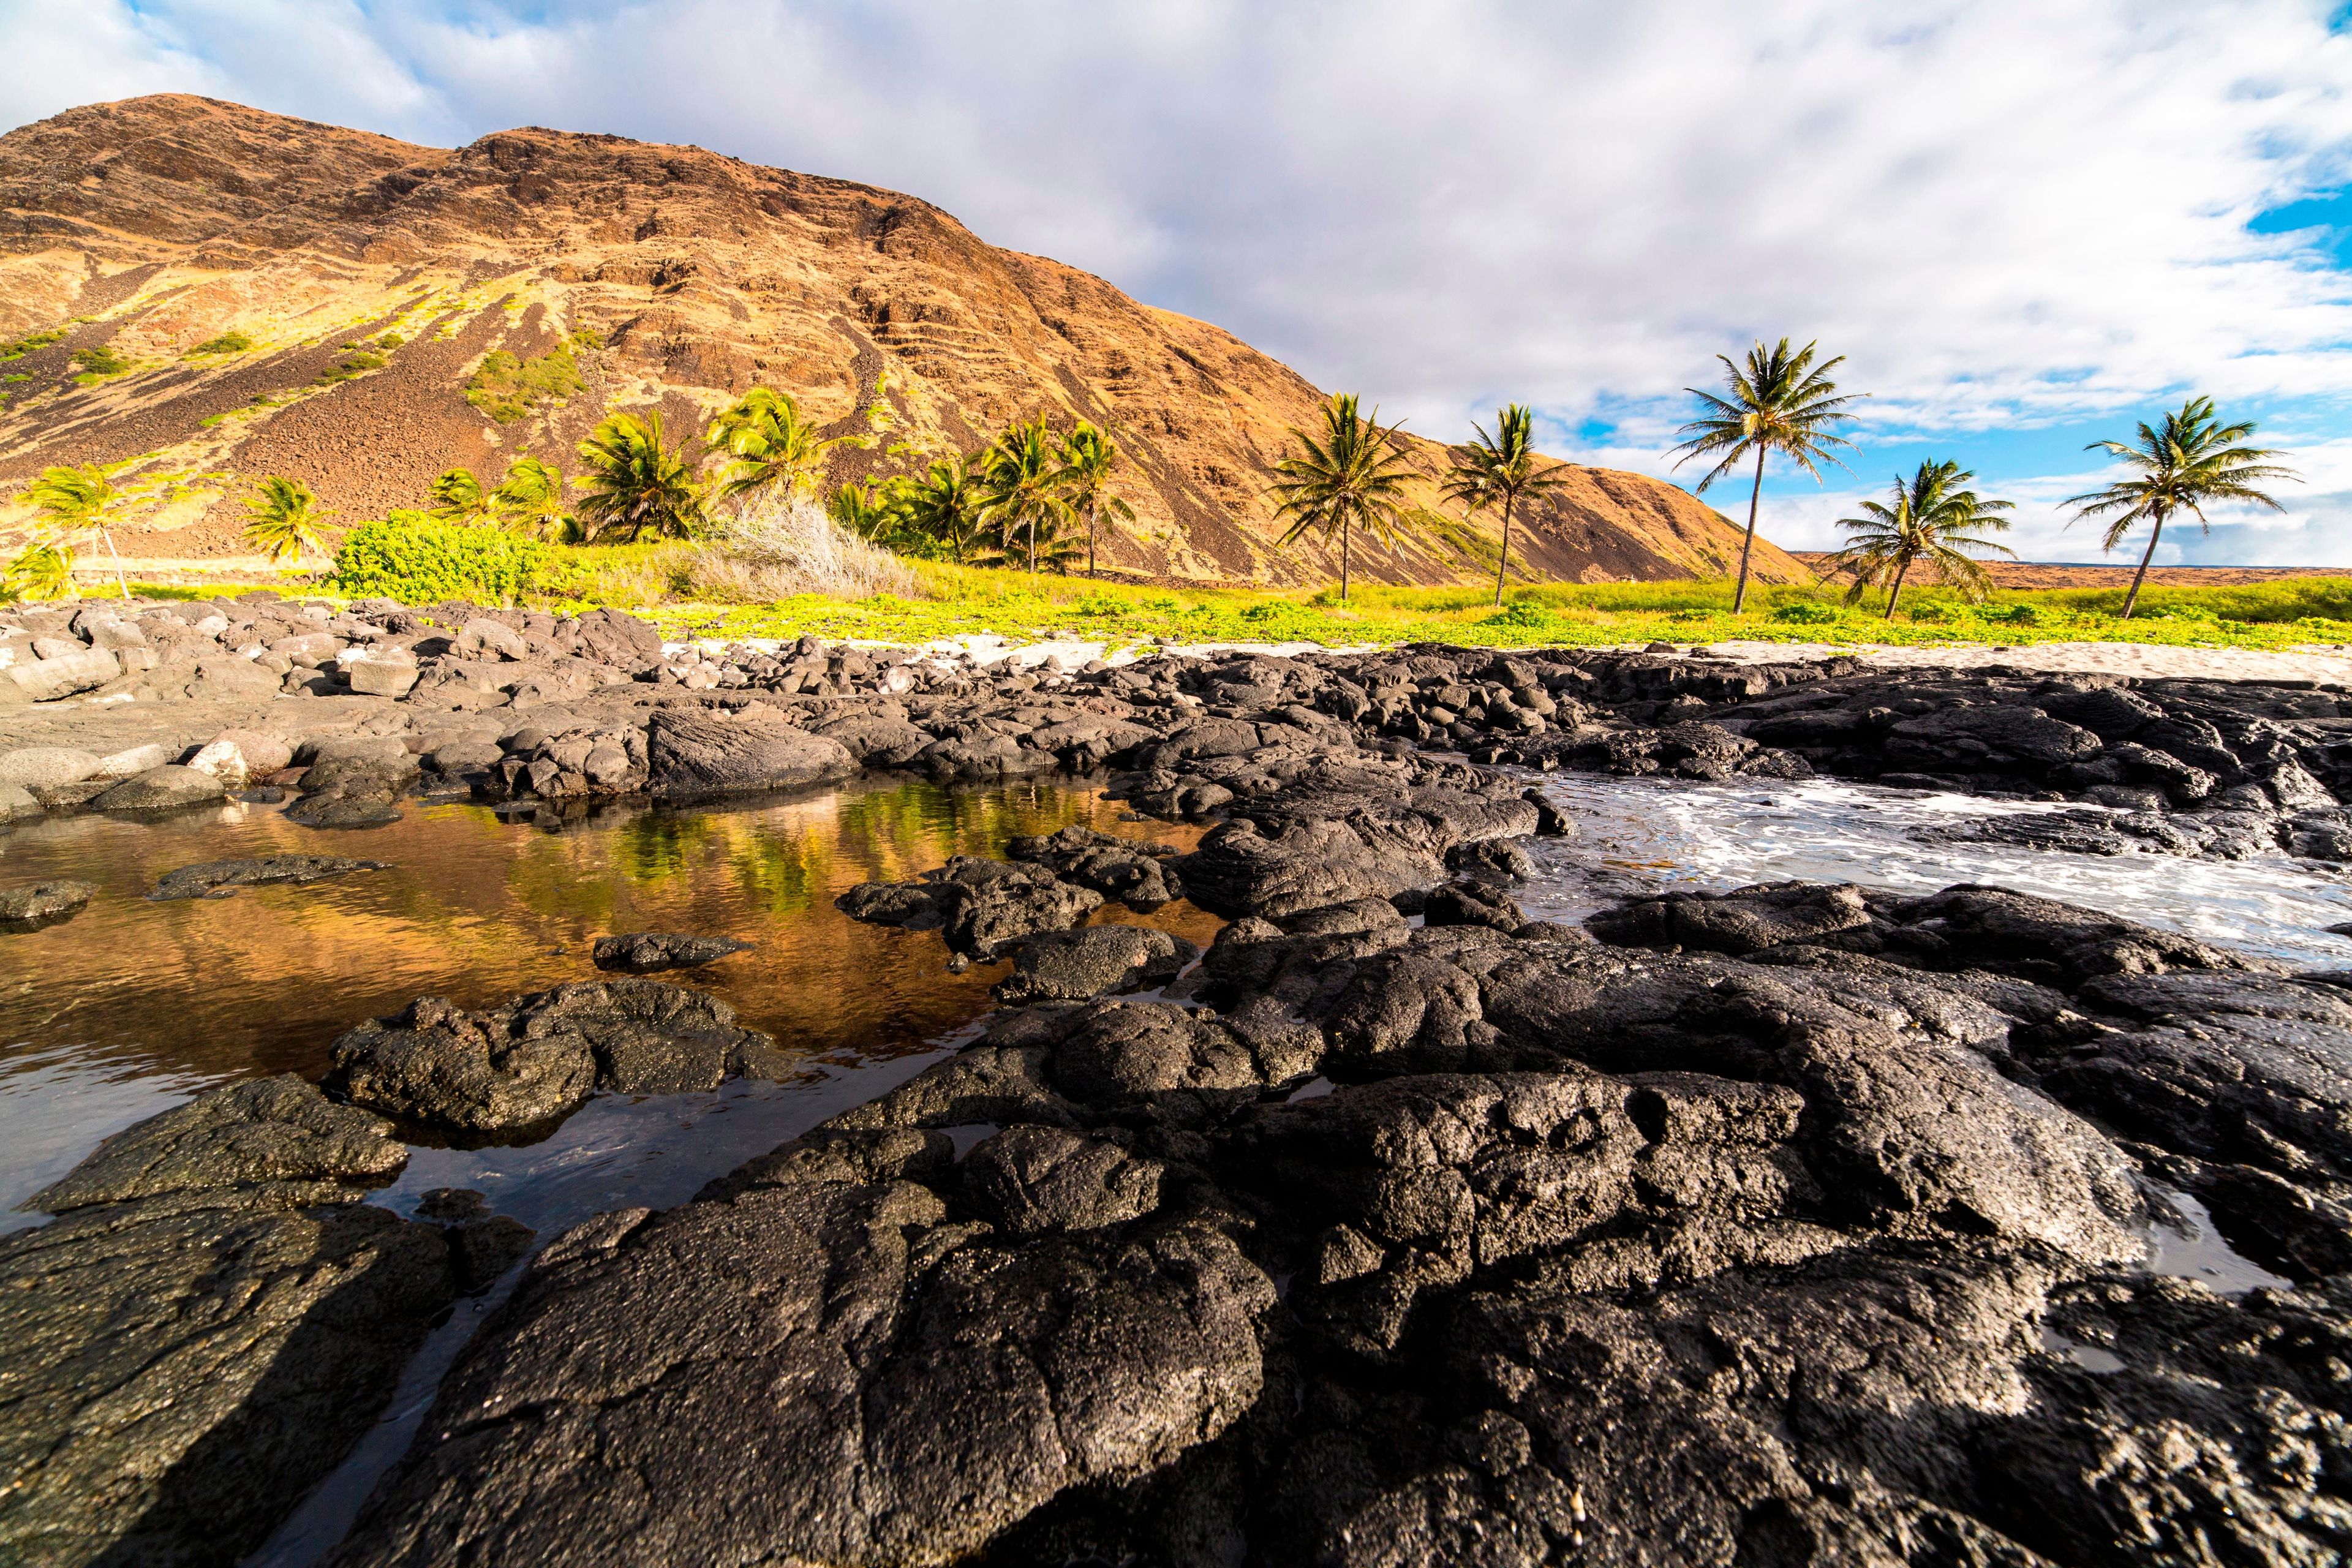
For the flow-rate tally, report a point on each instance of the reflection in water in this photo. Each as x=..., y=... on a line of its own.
x=134, y=1004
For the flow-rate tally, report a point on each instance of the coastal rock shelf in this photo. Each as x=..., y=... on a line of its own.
x=1805, y=1221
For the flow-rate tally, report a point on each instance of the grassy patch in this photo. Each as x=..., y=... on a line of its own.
x=226, y=343
x=508, y=389
x=100, y=363
x=350, y=366
x=18, y=348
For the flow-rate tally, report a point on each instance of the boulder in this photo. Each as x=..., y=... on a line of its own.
x=218, y=879
x=46, y=679
x=234, y=756
x=1073, y=965
x=134, y=760
x=186, y=1368
x=1136, y=874
x=1745, y=919
x=897, y=1388
x=381, y=677
x=693, y=756
x=161, y=789
x=47, y=766
x=1033, y=1180
x=515, y=1070
x=245, y=1134
x=40, y=904
x=643, y=952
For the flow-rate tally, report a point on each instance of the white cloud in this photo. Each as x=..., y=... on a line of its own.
x=2007, y=212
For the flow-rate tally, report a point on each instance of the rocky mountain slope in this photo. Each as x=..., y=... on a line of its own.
x=231, y=293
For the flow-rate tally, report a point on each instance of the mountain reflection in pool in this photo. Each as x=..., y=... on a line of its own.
x=133, y=1005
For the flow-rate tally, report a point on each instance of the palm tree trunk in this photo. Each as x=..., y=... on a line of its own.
x=1343, y=560
x=1504, y=564
x=1747, y=546
x=1895, y=591
x=1091, y=506
x=2132, y=598
x=119, y=580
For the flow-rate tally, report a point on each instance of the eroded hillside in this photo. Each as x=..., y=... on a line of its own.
x=233, y=293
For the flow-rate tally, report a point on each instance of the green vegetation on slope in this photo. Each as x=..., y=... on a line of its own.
x=507, y=388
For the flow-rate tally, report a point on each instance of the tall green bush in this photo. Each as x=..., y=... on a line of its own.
x=409, y=557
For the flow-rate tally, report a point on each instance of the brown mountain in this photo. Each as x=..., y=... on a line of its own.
x=231, y=293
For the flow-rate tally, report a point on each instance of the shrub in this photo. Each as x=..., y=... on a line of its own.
x=1805, y=613
x=226, y=343
x=775, y=547
x=409, y=557
x=18, y=348
x=350, y=366
x=1521, y=615
x=507, y=388
x=99, y=363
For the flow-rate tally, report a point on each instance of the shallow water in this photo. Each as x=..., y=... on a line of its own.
x=1640, y=836
x=133, y=1005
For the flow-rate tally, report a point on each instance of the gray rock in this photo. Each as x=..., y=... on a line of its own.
x=16, y=801
x=44, y=903
x=1031, y=1181
x=165, y=788
x=133, y=760
x=381, y=677
x=245, y=1134
x=1073, y=965
x=895, y=1389
x=643, y=952
x=47, y=679
x=984, y=908
x=1136, y=874
x=47, y=765
x=1745, y=919
x=184, y=1369
x=217, y=878
x=517, y=1068
x=693, y=756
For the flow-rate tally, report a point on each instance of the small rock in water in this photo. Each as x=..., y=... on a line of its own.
x=43, y=903
x=642, y=953
x=218, y=879
x=452, y=1204
x=161, y=789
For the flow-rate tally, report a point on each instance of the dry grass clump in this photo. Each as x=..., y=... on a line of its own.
x=774, y=548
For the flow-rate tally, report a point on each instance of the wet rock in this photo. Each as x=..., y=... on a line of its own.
x=17, y=801
x=983, y=907
x=517, y=1068
x=354, y=783
x=1473, y=904
x=39, y=904
x=644, y=952
x=185, y=1368
x=272, y=1129
x=1139, y=875
x=219, y=878
x=895, y=1388
x=1238, y=870
x=1746, y=919
x=1497, y=860
x=1030, y=1181
x=695, y=756
x=164, y=789
x=1073, y=965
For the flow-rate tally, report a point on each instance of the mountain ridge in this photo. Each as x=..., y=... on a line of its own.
x=148, y=228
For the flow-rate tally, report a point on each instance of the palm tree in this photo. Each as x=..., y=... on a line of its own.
x=2191, y=462
x=1928, y=521
x=1501, y=467
x=1354, y=477
x=459, y=498
x=1089, y=455
x=771, y=443
x=945, y=504
x=83, y=499
x=282, y=520
x=636, y=482
x=1781, y=403
x=529, y=500
x=857, y=509
x=1021, y=492
x=44, y=570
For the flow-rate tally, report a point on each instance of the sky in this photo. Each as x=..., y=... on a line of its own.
x=2027, y=225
